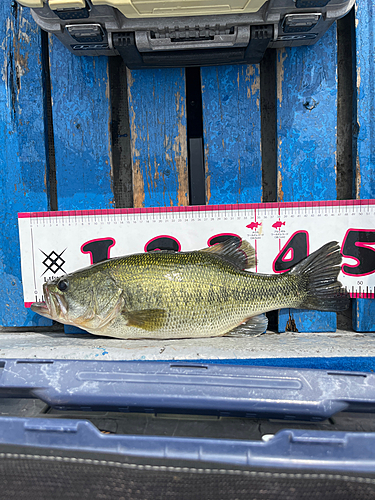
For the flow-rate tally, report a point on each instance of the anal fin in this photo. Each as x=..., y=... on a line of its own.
x=253, y=327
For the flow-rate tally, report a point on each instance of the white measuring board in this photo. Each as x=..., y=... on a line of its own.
x=55, y=243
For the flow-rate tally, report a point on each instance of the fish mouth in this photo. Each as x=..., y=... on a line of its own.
x=40, y=308
x=52, y=307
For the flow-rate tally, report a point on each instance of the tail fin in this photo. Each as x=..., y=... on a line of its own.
x=321, y=269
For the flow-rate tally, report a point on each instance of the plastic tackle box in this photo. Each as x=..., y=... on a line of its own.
x=174, y=33
x=156, y=428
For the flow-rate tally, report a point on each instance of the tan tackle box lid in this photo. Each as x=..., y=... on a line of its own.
x=161, y=8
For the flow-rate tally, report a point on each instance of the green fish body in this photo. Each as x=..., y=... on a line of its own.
x=207, y=293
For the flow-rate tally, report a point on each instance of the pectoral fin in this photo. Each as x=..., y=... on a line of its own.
x=253, y=327
x=146, y=319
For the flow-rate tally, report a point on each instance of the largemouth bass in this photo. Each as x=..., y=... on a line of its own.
x=206, y=293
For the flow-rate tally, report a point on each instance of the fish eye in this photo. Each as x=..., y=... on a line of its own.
x=63, y=285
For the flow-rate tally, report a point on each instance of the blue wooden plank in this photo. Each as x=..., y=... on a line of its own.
x=157, y=110
x=81, y=126
x=363, y=315
x=231, y=122
x=364, y=309
x=23, y=166
x=365, y=44
x=306, y=136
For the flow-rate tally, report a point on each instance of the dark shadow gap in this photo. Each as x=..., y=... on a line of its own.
x=268, y=125
x=346, y=113
x=268, y=141
x=122, y=181
x=346, y=124
x=48, y=125
x=194, y=118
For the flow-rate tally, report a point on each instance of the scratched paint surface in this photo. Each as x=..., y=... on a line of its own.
x=158, y=137
x=333, y=351
x=363, y=315
x=364, y=309
x=22, y=152
x=303, y=320
x=231, y=121
x=306, y=120
x=365, y=47
x=306, y=139
x=81, y=118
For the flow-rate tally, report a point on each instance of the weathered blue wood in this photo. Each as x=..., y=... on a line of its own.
x=365, y=45
x=306, y=137
x=81, y=126
x=364, y=309
x=363, y=315
x=158, y=139
x=303, y=320
x=231, y=123
x=157, y=111
x=23, y=164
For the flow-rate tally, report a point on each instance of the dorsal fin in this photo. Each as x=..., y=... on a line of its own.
x=240, y=255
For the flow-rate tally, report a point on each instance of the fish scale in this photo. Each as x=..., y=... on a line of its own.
x=207, y=282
